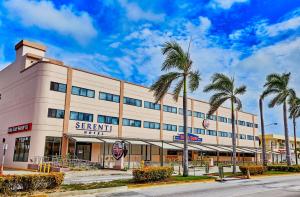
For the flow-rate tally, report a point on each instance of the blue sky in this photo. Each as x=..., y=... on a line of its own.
x=247, y=39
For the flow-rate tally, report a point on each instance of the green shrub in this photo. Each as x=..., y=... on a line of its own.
x=284, y=168
x=31, y=182
x=254, y=170
x=150, y=174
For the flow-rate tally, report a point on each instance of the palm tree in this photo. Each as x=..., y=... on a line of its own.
x=294, y=109
x=225, y=90
x=184, y=77
x=277, y=85
x=263, y=138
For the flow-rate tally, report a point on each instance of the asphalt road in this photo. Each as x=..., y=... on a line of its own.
x=279, y=186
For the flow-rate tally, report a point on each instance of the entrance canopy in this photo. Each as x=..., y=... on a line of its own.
x=165, y=145
x=202, y=148
x=83, y=139
x=109, y=141
x=182, y=146
x=136, y=142
x=218, y=148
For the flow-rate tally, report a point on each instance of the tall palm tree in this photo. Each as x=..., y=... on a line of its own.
x=262, y=126
x=184, y=77
x=294, y=109
x=225, y=90
x=278, y=85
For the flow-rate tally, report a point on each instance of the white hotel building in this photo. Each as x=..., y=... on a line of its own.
x=62, y=110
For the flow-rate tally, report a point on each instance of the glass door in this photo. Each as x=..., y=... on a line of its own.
x=83, y=151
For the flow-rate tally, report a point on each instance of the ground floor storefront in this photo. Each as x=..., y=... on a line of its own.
x=99, y=152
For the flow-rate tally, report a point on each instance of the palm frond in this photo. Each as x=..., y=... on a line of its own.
x=238, y=103
x=194, y=80
x=162, y=85
x=216, y=104
x=269, y=91
x=175, y=56
x=178, y=89
x=240, y=90
x=277, y=100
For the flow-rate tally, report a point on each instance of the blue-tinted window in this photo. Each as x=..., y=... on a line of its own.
x=211, y=117
x=170, y=109
x=81, y=116
x=243, y=136
x=223, y=134
x=132, y=101
x=131, y=122
x=189, y=112
x=250, y=137
x=83, y=92
x=242, y=123
x=59, y=87
x=169, y=127
x=151, y=125
x=199, y=131
x=109, y=97
x=108, y=119
x=198, y=114
x=222, y=119
x=180, y=129
x=212, y=132
x=56, y=113
x=151, y=105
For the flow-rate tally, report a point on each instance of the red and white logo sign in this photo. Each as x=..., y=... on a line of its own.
x=205, y=124
x=20, y=128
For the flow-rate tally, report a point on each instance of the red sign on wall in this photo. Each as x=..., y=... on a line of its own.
x=20, y=128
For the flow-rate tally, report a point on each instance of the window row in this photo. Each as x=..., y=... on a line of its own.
x=189, y=129
x=151, y=125
x=170, y=109
x=83, y=92
x=189, y=112
x=109, y=97
x=132, y=101
x=151, y=105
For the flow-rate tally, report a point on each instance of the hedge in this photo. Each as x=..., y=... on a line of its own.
x=150, y=174
x=30, y=182
x=294, y=168
x=253, y=169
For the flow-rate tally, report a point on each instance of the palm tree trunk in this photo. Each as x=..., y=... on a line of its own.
x=233, y=138
x=286, y=133
x=263, y=139
x=185, y=149
x=295, y=140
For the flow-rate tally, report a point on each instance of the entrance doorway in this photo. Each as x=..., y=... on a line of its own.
x=83, y=151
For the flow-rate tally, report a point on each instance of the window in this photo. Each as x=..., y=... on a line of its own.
x=52, y=146
x=249, y=124
x=189, y=112
x=170, y=109
x=222, y=119
x=189, y=129
x=242, y=123
x=250, y=137
x=151, y=125
x=199, y=114
x=169, y=127
x=109, y=97
x=22, y=146
x=59, y=87
x=134, y=102
x=212, y=132
x=81, y=116
x=151, y=105
x=211, y=117
x=108, y=119
x=229, y=120
x=131, y=122
x=199, y=131
x=56, y=113
x=256, y=125
x=83, y=92
x=242, y=136
x=223, y=134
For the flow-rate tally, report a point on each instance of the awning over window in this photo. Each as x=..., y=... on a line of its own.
x=202, y=148
x=109, y=141
x=182, y=146
x=83, y=139
x=165, y=145
x=137, y=142
x=248, y=150
x=218, y=148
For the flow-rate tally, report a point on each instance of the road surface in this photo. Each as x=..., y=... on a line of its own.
x=279, y=186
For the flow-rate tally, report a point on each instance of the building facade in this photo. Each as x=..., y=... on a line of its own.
x=275, y=147
x=50, y=109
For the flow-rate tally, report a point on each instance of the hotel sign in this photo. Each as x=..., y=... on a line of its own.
x=20, y=128
x=191, y=138
x=92, y=128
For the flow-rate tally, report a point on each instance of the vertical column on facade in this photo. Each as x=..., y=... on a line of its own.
x=161, y=115
x=120, y=126
x=217, y=126
x=237, y=131
x=65, y=141
x=192, y=123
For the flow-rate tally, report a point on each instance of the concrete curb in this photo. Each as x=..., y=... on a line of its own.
x=90, y=191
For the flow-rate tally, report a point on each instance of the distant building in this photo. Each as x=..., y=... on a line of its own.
x=50, y=109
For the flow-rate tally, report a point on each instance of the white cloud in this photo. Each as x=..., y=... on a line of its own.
x=201, y=29
x=290, y=24
x=135, y=13
x=225, y=4
x=115, y=44
x=43, y=14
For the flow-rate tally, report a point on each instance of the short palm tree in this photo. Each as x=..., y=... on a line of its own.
x=294, y=110
x=185, y=78
x=225, y=90
x=278, y=85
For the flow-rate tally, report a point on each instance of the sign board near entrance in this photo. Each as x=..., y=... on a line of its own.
x=92, y=128
x=191, y=137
